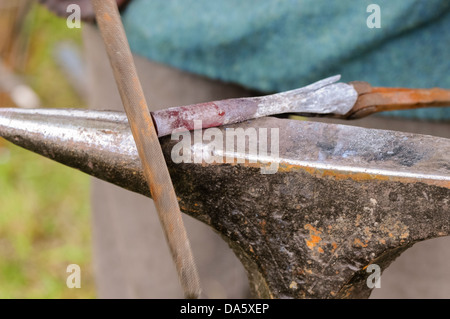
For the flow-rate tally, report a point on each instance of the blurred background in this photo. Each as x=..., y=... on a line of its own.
x=44, y=206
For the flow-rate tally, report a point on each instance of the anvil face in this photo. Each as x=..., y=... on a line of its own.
x=342, y=198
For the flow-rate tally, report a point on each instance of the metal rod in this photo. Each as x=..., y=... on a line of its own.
x=149, y=149
x=378, y=99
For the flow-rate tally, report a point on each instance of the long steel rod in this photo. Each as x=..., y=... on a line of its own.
x=146, y=139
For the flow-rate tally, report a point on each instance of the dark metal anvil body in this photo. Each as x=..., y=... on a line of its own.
x=343, y=197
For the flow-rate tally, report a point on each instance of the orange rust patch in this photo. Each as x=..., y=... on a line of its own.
x=312, y=228
x=313, y=242
x=185, y=209
x=395, y=229
x=359, y=243
x=314, y=237
x=357, y=176
x=107, y=17
x=404, y=235
x=334, y=246
x=263, y=227
x=349, y=291
x=142, y=103
x=339, y=175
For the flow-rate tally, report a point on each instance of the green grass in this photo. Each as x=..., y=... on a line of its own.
x=42, y=72
x=44, y=227
x=44, y=206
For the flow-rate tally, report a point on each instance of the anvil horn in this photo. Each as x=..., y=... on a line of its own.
x=343, y=197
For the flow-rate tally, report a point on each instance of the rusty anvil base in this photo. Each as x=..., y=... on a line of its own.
x=343, y=197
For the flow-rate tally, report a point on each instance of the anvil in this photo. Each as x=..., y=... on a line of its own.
x=343, y=197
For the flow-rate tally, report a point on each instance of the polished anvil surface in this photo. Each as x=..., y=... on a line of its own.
x=343, y=197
